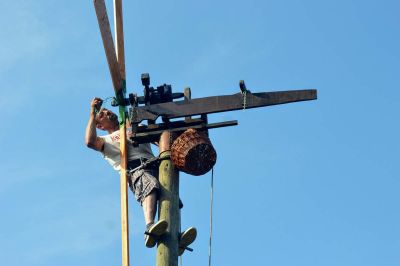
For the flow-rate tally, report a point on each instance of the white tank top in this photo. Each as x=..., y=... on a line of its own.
x=111, y=152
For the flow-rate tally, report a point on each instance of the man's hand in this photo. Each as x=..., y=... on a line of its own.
x=96, y=103
x=91, y=139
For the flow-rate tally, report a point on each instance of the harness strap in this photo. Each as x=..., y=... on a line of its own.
x=145, y=163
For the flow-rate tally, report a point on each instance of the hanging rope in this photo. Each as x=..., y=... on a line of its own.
x=211, y=215
x=211, y=218
x=244, y=93
x=180, y=232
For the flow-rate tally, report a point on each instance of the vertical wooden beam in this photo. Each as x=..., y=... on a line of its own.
x=188, y=95
x=120, y=52
x=124, y=197
x=167, y=249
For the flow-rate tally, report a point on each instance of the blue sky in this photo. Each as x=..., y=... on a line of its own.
x=313, y=183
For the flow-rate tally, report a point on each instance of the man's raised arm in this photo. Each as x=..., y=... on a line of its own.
x=91, y=139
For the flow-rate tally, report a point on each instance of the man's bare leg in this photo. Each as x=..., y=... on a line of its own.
x=153, y=230
x=149, y=205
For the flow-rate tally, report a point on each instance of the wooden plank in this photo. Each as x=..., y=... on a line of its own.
x=188, y=96
x=216, y=104
x=124, y=197
x=120, y=56
x=104, y=25
x=152, y=135
x=119, y=37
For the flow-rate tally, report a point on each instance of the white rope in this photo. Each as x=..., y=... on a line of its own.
x=211, y=215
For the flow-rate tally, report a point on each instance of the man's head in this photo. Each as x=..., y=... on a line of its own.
x=107, y=120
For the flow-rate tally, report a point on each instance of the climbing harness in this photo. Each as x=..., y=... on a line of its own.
x=146, y=163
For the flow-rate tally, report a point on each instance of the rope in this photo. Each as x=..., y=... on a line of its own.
x=211, y=215
x=108, y=99
x=180, y=232
x=211, y=218
x=96, y=110
x=244, y=93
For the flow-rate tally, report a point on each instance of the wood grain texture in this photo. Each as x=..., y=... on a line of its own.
x=109, y=48
x=223, y=103
x=120, y=56
x=167, y=249
x=124, y=197
x=119, y=37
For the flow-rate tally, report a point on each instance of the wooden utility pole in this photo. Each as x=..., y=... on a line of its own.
x=167, y=249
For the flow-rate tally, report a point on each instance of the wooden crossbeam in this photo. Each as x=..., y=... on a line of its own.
x=152, y=133
x=216, y=104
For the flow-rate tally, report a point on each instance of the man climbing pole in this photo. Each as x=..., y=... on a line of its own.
x=142, y=175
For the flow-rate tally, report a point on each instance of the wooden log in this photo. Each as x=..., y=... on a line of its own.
x=167, y=249
x=104, y=25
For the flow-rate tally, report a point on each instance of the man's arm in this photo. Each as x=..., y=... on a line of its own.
x=91, y=139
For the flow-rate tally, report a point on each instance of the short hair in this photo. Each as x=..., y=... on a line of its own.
x=101, y=110
x=97, y=112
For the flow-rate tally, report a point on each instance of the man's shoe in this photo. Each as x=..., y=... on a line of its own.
x=187, y=238
x=154, y=232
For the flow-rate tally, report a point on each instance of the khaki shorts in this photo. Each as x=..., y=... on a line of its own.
x=143, y=182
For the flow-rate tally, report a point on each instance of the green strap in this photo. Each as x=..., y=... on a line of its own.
x=121, y=99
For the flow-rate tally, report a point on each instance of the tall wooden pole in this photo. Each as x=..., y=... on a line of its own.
x=167, y=249
x=116, y=64
x=120, y=51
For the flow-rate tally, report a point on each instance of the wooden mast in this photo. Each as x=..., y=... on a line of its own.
x=120, y=52
x=116, y=65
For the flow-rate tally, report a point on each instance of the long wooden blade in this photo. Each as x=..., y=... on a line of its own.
x=216, y=104
x=104, y=25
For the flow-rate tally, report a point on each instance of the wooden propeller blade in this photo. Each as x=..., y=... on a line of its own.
x=216, y=104
x=109, y=48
